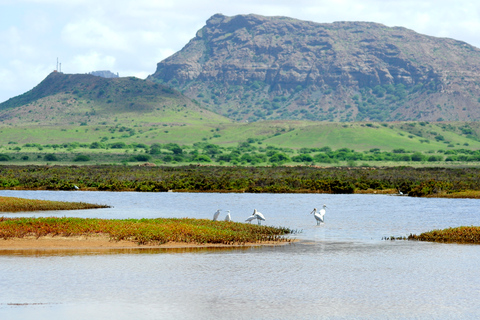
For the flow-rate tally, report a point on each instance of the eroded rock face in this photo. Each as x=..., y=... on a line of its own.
x=255, y=67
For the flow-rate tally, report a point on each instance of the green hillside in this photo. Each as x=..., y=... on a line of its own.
x=77, y=99
x=84, y=118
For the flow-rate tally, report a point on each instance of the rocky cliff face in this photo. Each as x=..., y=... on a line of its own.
x=250, y=67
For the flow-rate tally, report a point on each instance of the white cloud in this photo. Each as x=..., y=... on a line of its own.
x=93, y=34
x=89, y=62
x=18, y=77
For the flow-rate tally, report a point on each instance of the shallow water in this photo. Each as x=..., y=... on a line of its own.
x=341, y=269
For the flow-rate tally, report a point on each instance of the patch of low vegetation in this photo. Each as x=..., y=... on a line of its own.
x=467, y=235
x=418, y=182
x=144, y=231
x=13, y=204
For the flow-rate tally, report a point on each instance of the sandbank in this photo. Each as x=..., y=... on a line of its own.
x=100, y=241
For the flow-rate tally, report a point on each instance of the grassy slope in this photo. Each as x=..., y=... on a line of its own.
x=84, y=108
x=361, y=138
x=291, y=134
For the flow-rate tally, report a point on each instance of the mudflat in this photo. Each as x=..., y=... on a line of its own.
x=101, y=241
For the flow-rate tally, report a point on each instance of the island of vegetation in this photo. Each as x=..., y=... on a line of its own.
x=466, y=235
x=67, y=232
x=13, y=204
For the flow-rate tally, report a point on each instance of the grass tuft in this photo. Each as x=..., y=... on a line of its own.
x=466, y=235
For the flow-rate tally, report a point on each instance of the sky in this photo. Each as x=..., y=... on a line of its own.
x=131, y=37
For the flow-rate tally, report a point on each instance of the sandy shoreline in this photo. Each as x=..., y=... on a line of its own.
x=96, y=242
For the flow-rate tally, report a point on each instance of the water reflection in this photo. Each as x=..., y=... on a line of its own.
x=130, y=251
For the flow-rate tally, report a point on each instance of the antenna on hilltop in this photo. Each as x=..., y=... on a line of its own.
x=59, y=67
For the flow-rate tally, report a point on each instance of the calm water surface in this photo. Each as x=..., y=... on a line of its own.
x=339, y=270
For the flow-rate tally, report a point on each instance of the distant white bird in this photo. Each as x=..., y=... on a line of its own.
x=258, y=216
x=252, y=217
x=76, y=188
x=319, y=215
x=255, y=215
x=228, y=217
x=216, y=214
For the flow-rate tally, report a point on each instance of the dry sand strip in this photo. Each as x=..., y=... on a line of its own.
x=103, y=242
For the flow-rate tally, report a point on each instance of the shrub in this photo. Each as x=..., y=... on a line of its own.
x=155, y=149
x=4, y=157
x=141, y=157
x=202, y=158
x=96, y=145
x=279, y=157
x=51, y=157
x=435, y=158
x=118, y=145
x=81, y=157
x=417, y=156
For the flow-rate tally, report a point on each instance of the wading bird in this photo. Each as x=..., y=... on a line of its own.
x=258, y=216
x=252, y=217
x=255, y=215
x=319, y=215
x=228, y=217
x=216, y=214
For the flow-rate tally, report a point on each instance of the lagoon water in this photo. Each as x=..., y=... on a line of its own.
x=341, y=269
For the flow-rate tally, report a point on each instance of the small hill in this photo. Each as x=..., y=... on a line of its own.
x=251, y=67
x=63, y=99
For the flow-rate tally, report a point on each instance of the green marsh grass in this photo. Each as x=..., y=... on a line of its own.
x=144, y=231
x=467, y=235
x=12, y=204
x=418, y=182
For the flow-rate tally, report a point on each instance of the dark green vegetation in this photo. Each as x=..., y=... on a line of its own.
x=421, y=182
x=251, y=67
x=289, y=143
x=144, y=231
x=467, y=235
x=12, y=204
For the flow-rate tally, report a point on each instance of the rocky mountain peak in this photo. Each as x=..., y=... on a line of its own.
x=251, y=67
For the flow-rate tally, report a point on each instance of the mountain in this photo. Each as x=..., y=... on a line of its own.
x=251, y=67
x=62, y=99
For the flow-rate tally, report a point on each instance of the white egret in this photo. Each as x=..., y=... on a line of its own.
x=319, y=215
x=258, y=216
x=216, y=214
x=252, y=217
x=228, y=217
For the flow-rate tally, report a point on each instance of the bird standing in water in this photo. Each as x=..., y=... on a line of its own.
x=228, y=217
x=319, y=215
